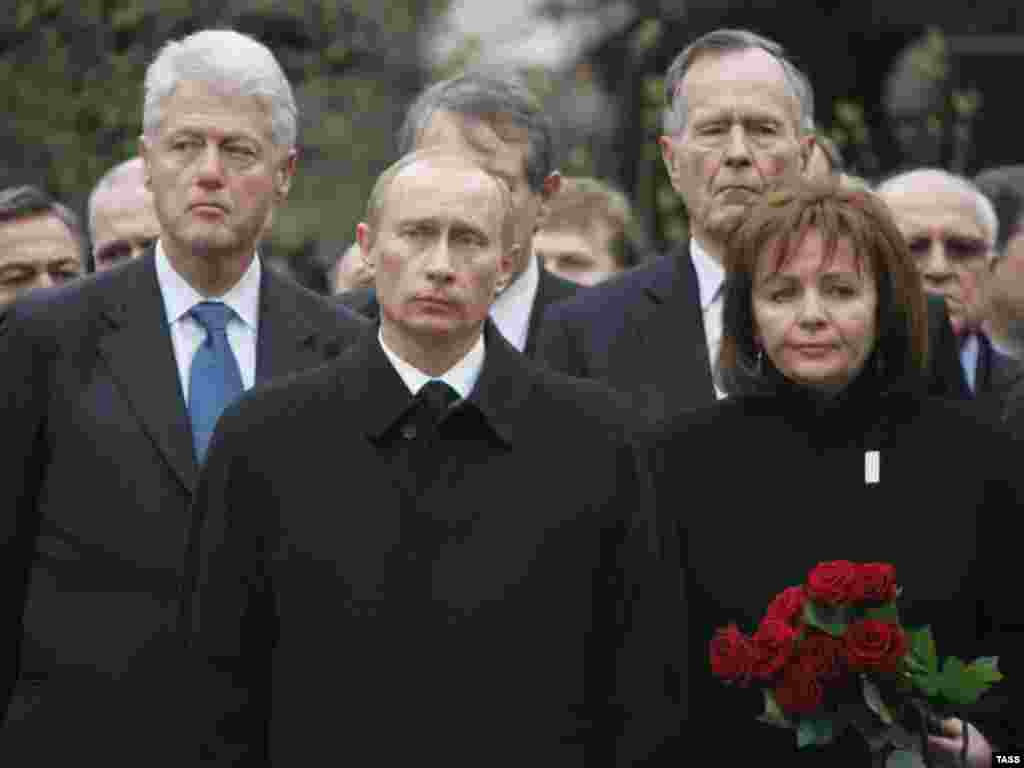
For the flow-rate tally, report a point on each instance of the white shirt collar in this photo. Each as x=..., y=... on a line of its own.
x=511, y=310
x=710, y=274
x=180, y=296
x=461, y=377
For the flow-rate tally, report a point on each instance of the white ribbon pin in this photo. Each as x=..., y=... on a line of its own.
x=872, y=467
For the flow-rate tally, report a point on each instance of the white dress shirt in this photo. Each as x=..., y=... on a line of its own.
x=461, y=377
x=710, y=280
x=511, y=310
x=969, y=350
x=187, y=334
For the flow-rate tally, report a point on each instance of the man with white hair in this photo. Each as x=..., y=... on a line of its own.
x=951, y=229
x=120, y=382
x=739, y=122
x=122, y=222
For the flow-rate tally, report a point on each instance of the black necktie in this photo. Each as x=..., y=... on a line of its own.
x=438, y=397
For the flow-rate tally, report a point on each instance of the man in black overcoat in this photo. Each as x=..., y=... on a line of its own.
x=489, y=590
x=101, y=459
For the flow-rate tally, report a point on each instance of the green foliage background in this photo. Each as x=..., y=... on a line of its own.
x=71, y=86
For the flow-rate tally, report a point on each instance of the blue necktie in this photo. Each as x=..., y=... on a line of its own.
x=214, y=380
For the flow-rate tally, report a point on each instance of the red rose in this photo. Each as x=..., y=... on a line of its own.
x=787, y=606
x=732, y=655
x=823, y=653
x=832, y=582
x=799, y=690
x=874, y=645
x=876, y=582
x=774, y=642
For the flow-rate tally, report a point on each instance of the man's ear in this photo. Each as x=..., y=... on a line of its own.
x=806, y=150
x=506, y=264
x=364, y=236
x=668, y=154
x=144, y=154
x=283, y=180
x=548, y=189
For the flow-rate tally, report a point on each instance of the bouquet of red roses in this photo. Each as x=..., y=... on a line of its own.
x=832, y=654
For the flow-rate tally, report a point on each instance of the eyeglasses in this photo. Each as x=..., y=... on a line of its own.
x=957, y=247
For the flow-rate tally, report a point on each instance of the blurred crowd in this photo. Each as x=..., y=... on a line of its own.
x=589, y=389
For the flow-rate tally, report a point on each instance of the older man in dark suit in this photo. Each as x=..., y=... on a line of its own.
x=739, y=121
x=112, y=386
x=489, y=591
x=952, y=230
x=500, y=125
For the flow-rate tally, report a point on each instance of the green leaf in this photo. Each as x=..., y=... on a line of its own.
x=773, y=714
x=929, y=683
x=921, y=656
x=962, y=684
x=813, y=731
x=827, y=618
x=987, y=669
x=873, y=698
x=886, y=612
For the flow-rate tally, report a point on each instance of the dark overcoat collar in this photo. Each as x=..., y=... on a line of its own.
x=379, y=397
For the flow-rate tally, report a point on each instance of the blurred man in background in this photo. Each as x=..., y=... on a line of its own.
x=122, y=221
x=1004, y=322
x=41, y=242
x=951, y=229
x=588, y=234
x=499, y=124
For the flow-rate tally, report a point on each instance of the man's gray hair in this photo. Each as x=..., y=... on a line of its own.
x=18, y=203
x=225, y=59
x=486, y=97
x=1004, y=187
x=985, y=212
x=110, y=179
x=727, y=41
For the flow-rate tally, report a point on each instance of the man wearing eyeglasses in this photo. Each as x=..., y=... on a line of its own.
x=122, y=222
x=951, y=229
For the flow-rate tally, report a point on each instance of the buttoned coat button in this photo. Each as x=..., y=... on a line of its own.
x=409, y=431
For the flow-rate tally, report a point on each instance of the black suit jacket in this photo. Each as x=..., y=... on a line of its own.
x=99, y=463
x=643, y=333
x=500, y=606
x=997, y=379
x=550, y=289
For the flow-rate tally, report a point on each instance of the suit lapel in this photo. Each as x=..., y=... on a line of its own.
x=671, y=347
x=140, y=356
x=549, y=290
x=996, y=373
x=287, y=341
